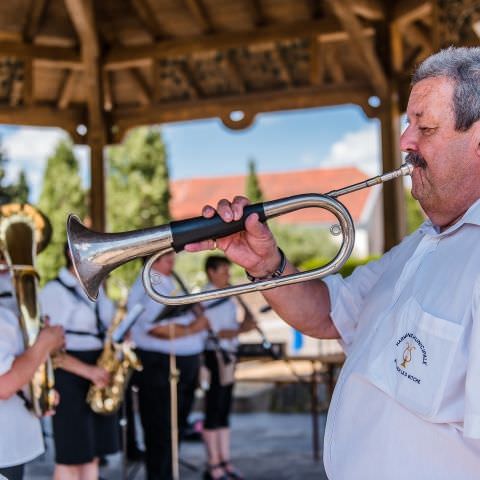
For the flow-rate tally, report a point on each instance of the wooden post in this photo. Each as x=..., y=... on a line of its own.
x=394, y=211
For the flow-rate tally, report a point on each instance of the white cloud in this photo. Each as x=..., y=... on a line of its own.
x=360, y=149
x=27, y=148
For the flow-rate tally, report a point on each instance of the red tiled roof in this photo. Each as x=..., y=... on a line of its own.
x=188, y=196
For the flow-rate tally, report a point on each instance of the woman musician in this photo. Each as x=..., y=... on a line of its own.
x=80, y=435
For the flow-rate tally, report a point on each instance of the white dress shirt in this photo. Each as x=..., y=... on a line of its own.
x=407, y=402
x=222, y=316
x=76, y=312
x=165, y=285
x=7, y=295
x=20, y=431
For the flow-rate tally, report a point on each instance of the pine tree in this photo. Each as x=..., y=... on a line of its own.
x=252, y=187
x=21, y=189
x=138, y=191
x=62, y=193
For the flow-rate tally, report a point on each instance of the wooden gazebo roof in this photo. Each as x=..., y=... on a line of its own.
x=110, y=65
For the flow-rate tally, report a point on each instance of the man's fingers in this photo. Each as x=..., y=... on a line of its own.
x=255, y=227
x=208, y=211
x=199, y=246
x=238, y=204
x=224, y=209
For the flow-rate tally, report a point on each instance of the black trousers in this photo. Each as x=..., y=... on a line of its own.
x=154, y=403
x=13, y=473
x=218, y=398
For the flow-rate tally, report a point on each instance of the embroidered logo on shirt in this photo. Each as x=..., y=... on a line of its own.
x=405, y=352
x=407, y=355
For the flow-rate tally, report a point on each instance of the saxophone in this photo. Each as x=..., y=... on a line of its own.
x=119, y=360
x=24, y=232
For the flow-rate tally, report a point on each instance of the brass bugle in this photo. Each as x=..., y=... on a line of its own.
x=95, y=255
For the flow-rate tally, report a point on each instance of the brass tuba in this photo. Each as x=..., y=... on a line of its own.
x=24, y=232
x=119, y=360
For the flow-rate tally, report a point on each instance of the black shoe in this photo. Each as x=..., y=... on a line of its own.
x=207, y=475
x=231, y=473
x=136, y=455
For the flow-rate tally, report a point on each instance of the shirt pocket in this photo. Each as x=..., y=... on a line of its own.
x=414, y=365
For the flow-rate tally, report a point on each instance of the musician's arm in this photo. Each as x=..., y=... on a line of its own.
x=25, y=365
x=173, y=330
x=97, y=375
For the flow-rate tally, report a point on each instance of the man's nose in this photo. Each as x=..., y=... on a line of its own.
x=408, y=141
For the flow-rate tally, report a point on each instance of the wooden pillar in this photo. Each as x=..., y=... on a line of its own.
x=394, y=208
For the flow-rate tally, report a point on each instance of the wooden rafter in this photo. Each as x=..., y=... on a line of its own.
x=235, y=73
x=333, y=66
x=369, y=9
x=294, y=98
x=256, y=12
x=147, y=17
x=283, y=66
x=186, y=75
x=28, y=99
x=417, y=35
x=408, y=11
x=361, y=45
x=118, y=56
x=396, y=48
x=142, y=88
x=200, y=14
x=55, y=55
x=67, y=90
x=36, y=12
x=317, y=64
x=107, y=90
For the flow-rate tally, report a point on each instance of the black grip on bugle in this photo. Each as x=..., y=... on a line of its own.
x=200, y=228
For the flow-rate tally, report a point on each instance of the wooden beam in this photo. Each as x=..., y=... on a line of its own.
x=360, y=45
x=67, y=90
x=147, y=17
x=82, y=14
x=28, y=80
x=283, y=66
x=107, y=90
x=284, y=99
x=396, y=48
x=54, y=55
x=186, y=75
x=256, y=12
x=317, y=65
x=35, y=15
x=235, y=72
x=220, y=41
x=142, y=88
x=416, y=35
x=199, y=13
x=333, y=66
x=369, y=9
x=476, y=28
x=42, y=116
x=408, y=11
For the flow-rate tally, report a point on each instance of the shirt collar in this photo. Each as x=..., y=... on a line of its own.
x=67, y=277
x=471, y=216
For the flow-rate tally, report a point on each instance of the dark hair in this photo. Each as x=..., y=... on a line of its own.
x=214, y=261
x=462, y=66
x=66, y=254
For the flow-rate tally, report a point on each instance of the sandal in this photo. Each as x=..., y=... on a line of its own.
x=231, y=472
x=209, y=475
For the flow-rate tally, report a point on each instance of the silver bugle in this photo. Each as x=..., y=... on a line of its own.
x=95, y=254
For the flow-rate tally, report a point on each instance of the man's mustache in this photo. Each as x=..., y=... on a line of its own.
x=415, y=159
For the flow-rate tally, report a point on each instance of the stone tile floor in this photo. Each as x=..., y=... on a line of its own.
x=265, y=446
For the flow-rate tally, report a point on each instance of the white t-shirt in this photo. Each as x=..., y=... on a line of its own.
x=165, y=285
x=7, y=295
x=20, y=431
x=407, y=402
x=221, y=316
x=76, y=312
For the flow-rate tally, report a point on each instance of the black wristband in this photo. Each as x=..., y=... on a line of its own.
x=277, y=273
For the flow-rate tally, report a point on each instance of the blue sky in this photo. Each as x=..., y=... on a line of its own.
x=281, y=141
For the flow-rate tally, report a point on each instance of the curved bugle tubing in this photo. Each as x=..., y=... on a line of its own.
x=95, y=255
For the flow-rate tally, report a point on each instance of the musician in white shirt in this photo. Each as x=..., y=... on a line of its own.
x=81, y=436
x=406, y=405
x=151, y=335
x=20, y=431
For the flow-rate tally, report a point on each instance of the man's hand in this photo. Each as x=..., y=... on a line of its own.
x=98, y=376
x=52, y=338
x=254, y=249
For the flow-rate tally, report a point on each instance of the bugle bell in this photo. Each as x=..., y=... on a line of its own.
x=95, y=254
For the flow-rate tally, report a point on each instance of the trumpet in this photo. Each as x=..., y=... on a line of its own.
x=95, y=254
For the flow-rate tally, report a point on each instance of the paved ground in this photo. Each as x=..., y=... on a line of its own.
x=266, y=447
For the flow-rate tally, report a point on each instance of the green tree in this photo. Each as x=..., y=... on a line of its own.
x=138, y=192
x=252, y=184
x=62, y=193
x=21, y=189
x=415, y=215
